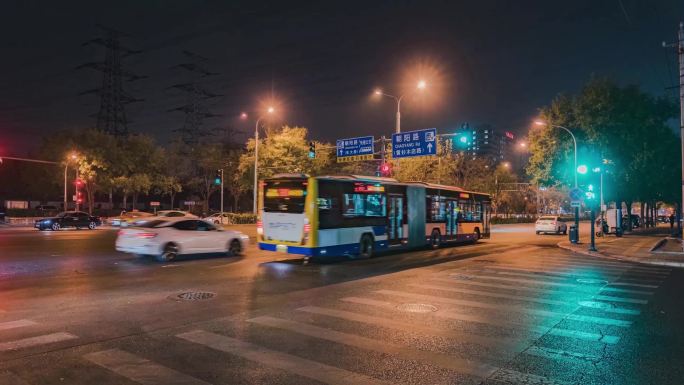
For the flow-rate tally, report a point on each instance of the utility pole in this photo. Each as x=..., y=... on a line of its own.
x=111, y=118
x=195, y=109
x=679, y=46
x=221, y=196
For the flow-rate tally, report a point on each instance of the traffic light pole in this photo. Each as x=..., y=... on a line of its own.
x=592, y=245
x=77, y=205
x=221, y=196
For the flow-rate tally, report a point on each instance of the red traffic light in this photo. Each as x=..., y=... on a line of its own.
x=385, y=169
x=79, y=183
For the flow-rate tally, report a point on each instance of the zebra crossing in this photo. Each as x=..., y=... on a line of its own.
x=507, y=311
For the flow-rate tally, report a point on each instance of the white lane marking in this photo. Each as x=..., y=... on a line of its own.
x=490, y=294
x=9, y=378
x=460, y=365
x=508, y=376
x=35, y=341
x=16, y=324
x=140, y=370
x=293, y=364
x=514, y=308
x=621, y=299
x=536, y=329
x=560, y=355
x=591, y=266
x=389, y=323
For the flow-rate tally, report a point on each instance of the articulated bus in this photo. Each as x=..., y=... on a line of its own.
x=357, y=216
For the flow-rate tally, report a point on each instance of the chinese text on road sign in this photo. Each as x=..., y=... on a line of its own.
x=414, y=143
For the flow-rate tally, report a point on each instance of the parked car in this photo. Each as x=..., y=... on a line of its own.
x=218, y=218
x=550, y=224
x=167, y=238
x=128, y=217
x=74, y=219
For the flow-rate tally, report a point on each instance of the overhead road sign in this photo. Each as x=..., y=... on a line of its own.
x=355, y=149
x=414, y=143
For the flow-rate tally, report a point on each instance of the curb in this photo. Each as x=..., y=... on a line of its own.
x=615, y=257
x=657, y=245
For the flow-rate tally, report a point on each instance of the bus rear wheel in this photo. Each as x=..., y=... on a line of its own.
x=366, y=247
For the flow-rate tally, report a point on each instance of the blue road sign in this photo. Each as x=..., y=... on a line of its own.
x=355, y=146
x=414, y=143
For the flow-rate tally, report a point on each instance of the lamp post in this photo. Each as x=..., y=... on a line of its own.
x=270, y=110
x=420, y=86
x=574, y=141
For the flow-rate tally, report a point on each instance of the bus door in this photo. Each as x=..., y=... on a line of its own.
x=395, y=218
x=451, y=218
x=486, y=217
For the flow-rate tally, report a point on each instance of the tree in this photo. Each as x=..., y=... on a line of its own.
x=623, y=125
x=168, y=185
x=285, y=150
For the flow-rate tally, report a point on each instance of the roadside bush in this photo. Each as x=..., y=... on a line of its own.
x=504, y=221
x=241, y=218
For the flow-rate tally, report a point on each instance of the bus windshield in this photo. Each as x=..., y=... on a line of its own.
x=285, y=196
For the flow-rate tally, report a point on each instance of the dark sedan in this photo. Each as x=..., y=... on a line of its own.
x=77, y=219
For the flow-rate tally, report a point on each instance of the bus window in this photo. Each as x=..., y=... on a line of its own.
x=284, y=196
x=437, y=208
x=364, y=205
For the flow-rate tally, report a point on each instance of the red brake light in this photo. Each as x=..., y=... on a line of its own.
x=146, y=235
x=307, y=227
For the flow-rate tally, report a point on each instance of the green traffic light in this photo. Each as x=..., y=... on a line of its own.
x=582, y=169
x=463, y=139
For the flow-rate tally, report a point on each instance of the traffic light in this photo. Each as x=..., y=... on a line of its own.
x=582, y=169
x=385, y=169
x=590, y=194
x=78, y=183
x=79, y=197
x=312, y=150
x=217, y=178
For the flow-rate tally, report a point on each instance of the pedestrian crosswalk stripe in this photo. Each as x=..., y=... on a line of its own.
x=551, y=283
x=514, y=308
x=621, y=299
x=600, y=263
x=508, y=376
x=471, y=280
x=500, y=343
x=36, y=341
x=9, y=378
x=16, y=324
x=491, y=294
x=548, y=277
x=616, y=310
x=646, y=286
x=460, y=365
x=293, y=364
x=561, y=355
x=554, y=271
x=499, y=322
x=140, y=370
x=620, y=266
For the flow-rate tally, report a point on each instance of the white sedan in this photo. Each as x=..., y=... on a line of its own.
x=550, y=224
x=218, y=218
x=167, y=238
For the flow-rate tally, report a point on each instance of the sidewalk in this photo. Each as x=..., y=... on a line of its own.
x=650, y=246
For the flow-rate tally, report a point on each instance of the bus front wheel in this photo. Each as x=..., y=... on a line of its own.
x=366, y=247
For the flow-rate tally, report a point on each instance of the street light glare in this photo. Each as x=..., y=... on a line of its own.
x=421, y=85
x=540, y=123
x=243, y=115
x=270, y=110
x=377, y=91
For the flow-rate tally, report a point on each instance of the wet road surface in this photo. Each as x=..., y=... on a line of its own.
x=511, y=310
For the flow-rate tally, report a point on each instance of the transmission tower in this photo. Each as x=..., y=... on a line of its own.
x=196, y=111
x=111, y=118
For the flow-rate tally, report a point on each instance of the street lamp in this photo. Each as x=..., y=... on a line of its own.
x=574, y=141
x=421, y=85
x=270, y=110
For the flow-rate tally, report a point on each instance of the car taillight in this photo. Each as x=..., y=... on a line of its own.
x=146, y=235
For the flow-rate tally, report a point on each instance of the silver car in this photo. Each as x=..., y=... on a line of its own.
x=550, y=224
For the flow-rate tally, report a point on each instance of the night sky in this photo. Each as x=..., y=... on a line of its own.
x=491, y=62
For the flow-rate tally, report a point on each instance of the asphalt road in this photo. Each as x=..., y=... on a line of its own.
x=510, y=310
